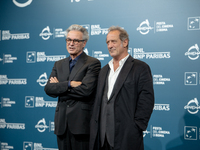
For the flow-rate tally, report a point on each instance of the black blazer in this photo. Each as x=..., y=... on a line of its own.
x=74, y=104
x=134, y=101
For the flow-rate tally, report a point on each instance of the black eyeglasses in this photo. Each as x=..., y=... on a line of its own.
x=75, y=41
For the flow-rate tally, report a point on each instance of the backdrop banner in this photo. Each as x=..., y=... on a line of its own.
x=164, y=34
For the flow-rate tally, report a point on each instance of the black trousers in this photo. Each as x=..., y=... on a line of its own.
x=106, y=145
x=69, y=141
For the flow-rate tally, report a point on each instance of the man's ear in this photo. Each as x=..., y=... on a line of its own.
x=84, y=43
x=125, y=43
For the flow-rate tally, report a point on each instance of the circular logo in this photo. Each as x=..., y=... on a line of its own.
x=144, y=27
x=41, y=125
x=22, y=4
x=193, y=52
x=192, y=106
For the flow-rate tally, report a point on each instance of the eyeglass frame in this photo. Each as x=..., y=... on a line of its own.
x=75, y=41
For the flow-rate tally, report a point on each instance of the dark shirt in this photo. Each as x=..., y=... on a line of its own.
x=72, y=64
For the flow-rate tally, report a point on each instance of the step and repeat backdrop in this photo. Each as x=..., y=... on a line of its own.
x=164, y=34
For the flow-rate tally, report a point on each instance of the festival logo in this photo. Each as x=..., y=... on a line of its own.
x=158, y=79
x=193, y=106
x=41, y=126
x=7, y=58
x=190, y=133
x=5, y=146
x=42, y=79
x=193, y=52
x=6, y=102
x=22, y=4
x=190, y=78
x=145, y=27
x=193, y=23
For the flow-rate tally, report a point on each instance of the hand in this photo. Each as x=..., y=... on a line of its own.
x=53, y=80
x=75, y=83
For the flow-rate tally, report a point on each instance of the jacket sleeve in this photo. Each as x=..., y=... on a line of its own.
x=145, y=103
x=55, y=89
x=89, y=81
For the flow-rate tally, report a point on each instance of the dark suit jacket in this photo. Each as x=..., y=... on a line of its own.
x=74, y=104
x=134, y=102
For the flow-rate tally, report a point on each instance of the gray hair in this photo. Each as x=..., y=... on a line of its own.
x=123, y=34
x=77, y=27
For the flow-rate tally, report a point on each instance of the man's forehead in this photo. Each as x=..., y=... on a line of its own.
x=113, y=34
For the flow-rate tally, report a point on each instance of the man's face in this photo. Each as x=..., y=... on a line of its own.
x=115, y=45
x=72, y=48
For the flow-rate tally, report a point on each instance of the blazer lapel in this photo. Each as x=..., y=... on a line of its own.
x=81, y=61
x=122, y=76
x=101, y=83
x=65, y=68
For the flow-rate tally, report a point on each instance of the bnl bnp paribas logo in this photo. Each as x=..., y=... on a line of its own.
x=139, y=53
x=193, y=106
x=35, y=146
x=32, y=57
x=191, y=78
x=31, y=102
x=57, y=33
x=145, y=27
x=193, y=52
x=6, y=35
x=5, y=125
x=193, y=23
x=41, y=126
x=42, y=79
x=4, y=80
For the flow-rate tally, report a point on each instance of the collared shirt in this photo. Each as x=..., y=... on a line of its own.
x=71, y=67
x=114, y=74
x=74, y=61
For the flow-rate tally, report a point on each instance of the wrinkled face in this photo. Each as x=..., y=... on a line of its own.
x=75, y=49
x=114, y=44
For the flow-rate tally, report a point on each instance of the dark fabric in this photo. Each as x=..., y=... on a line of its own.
x=74, y=104
x=106, y=145
x=134, y=102
x=69, y=141
x=107, y=117
x=72, y=64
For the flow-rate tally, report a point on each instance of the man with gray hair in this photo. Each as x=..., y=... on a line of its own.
x=73, y=80
x=125, y=98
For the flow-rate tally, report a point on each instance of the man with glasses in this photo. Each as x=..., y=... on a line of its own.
x=73, y=80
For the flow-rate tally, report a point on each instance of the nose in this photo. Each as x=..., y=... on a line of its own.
x=109, y=45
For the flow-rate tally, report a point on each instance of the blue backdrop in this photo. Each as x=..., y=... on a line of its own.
x=164, y=34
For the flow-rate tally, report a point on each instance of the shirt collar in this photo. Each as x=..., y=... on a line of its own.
x=121, y=62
